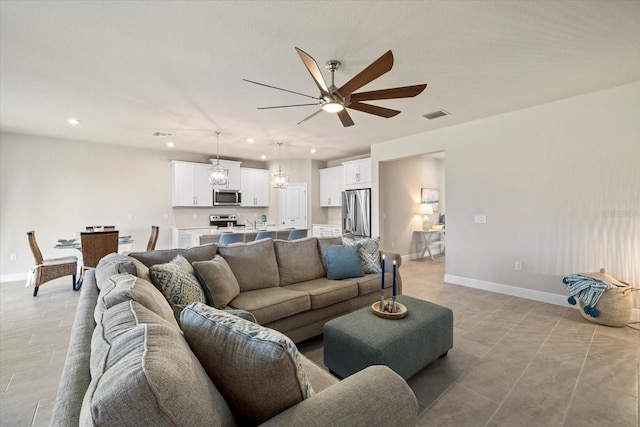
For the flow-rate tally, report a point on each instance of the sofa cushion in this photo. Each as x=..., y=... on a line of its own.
x=343, y=262
x=144, y=373
x=272, y=304
x=323, y=242
x=253, y=264
x=298, y=260
x=257, y=370
x=113, y=264
x=162, y=256
x=217, y=280
x=126, y=287
x=178, y=281
x=369, y=253
x=324, y=292
x=142, y=270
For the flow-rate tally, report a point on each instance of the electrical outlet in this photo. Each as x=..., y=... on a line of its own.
x=518, y=265
x=195, y=216
x=165, y=216
x=130, y=216
x=13, y=257
x=480, y=219
x=393, y=244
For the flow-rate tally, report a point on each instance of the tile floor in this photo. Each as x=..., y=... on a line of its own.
x=515, y=362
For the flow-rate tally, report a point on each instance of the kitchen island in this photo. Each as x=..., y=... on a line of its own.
x=186, y=237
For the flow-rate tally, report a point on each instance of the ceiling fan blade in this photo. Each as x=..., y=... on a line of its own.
x=345, y=118
x=279, y=88
x=374, y=109
x=392, y=93
x=369, y=74
x=287, y=106
x=308, y=117
x=314, y=70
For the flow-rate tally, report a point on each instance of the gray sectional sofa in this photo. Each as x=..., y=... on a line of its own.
x=134, y=359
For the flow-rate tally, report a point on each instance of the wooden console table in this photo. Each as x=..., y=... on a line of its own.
x=427, y=237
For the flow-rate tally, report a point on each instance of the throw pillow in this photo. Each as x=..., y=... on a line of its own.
x=258, y=370
x=218, y=282
x=178, y=281
x=343, y=262
x=369, y=253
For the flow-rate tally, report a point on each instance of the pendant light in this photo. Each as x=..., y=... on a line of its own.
x=280, y=179
x=218, y=175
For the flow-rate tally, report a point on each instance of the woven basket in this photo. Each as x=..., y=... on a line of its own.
x=615, y=305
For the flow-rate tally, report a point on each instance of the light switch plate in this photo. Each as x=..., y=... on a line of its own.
x=480, y=219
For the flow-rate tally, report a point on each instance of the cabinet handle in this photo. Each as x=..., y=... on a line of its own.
x=358, y=177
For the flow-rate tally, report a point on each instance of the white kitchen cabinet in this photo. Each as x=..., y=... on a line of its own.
x=357, y=174
x=331, y=186
x=234, y=182
x=190, y=184
x=326, y=230
x=254, y=187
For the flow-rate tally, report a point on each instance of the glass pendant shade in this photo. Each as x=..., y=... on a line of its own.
x=279, y=179
x=218, y=175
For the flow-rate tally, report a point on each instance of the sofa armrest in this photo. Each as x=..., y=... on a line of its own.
x=375, y=396
x=390, y=257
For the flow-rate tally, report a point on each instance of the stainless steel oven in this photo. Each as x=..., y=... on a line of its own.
x=227, y=198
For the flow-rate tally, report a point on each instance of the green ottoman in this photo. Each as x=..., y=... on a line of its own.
x=360, y=339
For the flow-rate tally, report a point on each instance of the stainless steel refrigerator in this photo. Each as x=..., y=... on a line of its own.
x=356, y=212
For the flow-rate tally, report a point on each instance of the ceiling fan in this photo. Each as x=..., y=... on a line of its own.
x=336, y=100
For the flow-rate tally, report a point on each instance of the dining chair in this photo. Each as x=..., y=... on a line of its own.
x=94, y=247
x=266, y=235
x=227, y=238
x=49, y=269
x=153, y=238
x=298, y=234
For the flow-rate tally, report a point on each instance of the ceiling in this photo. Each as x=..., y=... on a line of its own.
x=129, y=68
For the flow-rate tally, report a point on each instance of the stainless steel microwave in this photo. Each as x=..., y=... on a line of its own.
x=227, y=198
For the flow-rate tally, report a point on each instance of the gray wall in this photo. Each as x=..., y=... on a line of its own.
x=559, y=184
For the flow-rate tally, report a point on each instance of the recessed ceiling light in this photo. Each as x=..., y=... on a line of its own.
x=263, y=157
x=170, y=144
x=250, y=140
x=73, y=121
x=313, y=151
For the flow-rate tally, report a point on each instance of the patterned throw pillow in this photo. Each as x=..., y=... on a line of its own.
x=369, y=253
x=178, y=281
x=258, y=370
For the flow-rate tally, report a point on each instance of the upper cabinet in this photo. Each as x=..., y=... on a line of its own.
x=357, y=174
x=234, y=175
x=190, y=184
x=331, y=186
x=255, y=187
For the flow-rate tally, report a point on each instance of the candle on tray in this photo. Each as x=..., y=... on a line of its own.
x=394, y=278
x=382, y=286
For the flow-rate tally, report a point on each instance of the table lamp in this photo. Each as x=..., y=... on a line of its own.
x=425, y=209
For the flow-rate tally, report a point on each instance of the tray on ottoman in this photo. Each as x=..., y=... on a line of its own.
x=360, y=339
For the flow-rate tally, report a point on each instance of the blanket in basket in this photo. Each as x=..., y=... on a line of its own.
x=588, y=289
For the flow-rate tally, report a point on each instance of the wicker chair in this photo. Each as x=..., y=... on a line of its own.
x=227, y=238
x=95, y=245
x=49, y=269
x=266, y=235
x=297, y=234
x=153, y=238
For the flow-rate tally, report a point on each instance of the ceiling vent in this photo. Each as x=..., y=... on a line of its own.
x=435, y=114
x=162, y=134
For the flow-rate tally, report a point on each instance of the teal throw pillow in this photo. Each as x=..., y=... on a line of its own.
x=343, y=262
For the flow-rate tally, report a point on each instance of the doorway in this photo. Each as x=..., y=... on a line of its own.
x=293, y=206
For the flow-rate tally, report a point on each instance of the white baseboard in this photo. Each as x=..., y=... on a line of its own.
x=515, y=291
x=12, y=277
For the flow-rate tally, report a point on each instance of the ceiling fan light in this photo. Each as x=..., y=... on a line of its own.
x=333, y=107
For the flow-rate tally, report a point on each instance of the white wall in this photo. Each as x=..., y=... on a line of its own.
x=559, y=184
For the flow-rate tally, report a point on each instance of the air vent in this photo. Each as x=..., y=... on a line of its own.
x=162, y=135
x=435, y=114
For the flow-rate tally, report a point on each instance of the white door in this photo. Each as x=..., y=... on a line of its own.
x=293, y=206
